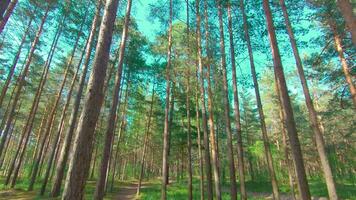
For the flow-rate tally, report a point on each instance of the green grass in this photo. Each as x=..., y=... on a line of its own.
x=178, y=190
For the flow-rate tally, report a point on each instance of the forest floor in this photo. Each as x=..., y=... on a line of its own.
x=178, y=191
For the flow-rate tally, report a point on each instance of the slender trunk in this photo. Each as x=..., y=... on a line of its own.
x=213, y=142
x=189, y=137
x=120, y=135
x=145, y=143
x=109, y=136
x=345, y=67
x=52, y=115
x=287, y=107
x=31, y=117
x=81, y=154
x=266, y=142
x=14, y=63
x=56, y=138
x=347, y=12
x=8, y=13
x=189, y=142
x=202, y=99
x=201, y=167
x=286, y=155
x=313, y=116
x=22, y=81
x=166, y=118
x=227, y=108
x=64, y=154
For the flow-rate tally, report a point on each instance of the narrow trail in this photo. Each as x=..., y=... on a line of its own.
x=127, y=192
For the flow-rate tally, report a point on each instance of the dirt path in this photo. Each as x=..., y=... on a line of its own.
x=127, y=192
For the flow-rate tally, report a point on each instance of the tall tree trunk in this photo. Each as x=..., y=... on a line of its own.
x=14, y=63
x=288, y=162
x=201, y=167
x=166, y=118
x=227, y=108
x=266, y=142
x=287, y=107
x=189, y=137
x=64, y=154
x=52, y=114
x=109, y=136
x=120, y=135
x=22, y=81
x=170, y=124
x=8, y=13
x=202, y=101
x=59, y=131
x=346, y=9
x=31, y=117
x=213, y=142
x=81, y=154
x=145, y=143
x=345, y=67
x=313, y=116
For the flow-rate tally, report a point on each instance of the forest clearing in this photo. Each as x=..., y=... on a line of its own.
x=178, y=99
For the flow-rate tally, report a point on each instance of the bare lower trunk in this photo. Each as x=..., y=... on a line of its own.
x=287, y=107
x=201, y=167
x=81, y=154
x=145, y=143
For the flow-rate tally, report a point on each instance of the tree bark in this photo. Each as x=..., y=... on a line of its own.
x=8, y=13
x=81, y=154
x=201, y=164
x=287, y=107
x=313, y=116
x=213, y=142
x=109, y=136
x=203, y=108
x=52, y=114
x=344, y=65
x=166, y=118
x=189, y=136
x=64, y=154
x=31, y=117
x=266, y=142
x=59, y=131
x=236, y=108
x=145, y=143
x=346, y=7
